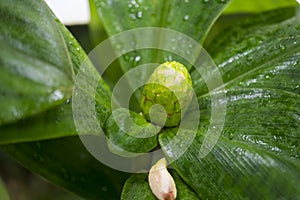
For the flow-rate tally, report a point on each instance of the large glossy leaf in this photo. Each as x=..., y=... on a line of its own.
x=67, y=163
x=257, y=155
x=36, y=69
x=57, y=121
x=236, y=170
x=190, y=17
x=253, y=48
x=137, y=186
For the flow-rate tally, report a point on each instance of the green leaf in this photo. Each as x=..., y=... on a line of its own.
x=252, y=48
x=3, y=192
x=257, y=155
x=236, y=170
x=137, y=187
x=67, y=163
x=129, y=132
x=231, y=20
x=36, y=69
x=250, y=6
x=96, y=29
x=54, y=123
x=57, y=121
x=191, y=17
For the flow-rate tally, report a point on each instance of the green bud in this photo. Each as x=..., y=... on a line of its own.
x=170, y=86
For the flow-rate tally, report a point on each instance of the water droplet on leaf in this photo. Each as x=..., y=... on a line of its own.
x=132, y=16
x=137, y=58
x=140, y=14
x=282, y=47
x=186, y=17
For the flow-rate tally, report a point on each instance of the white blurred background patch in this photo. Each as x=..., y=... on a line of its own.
x=71, y=12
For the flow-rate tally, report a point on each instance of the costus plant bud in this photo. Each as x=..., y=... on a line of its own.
x=161, y=182
x=170, y=86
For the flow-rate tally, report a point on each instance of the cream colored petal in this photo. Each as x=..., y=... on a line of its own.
x=161, y=182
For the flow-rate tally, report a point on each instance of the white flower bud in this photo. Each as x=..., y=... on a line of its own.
x=161, y=182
